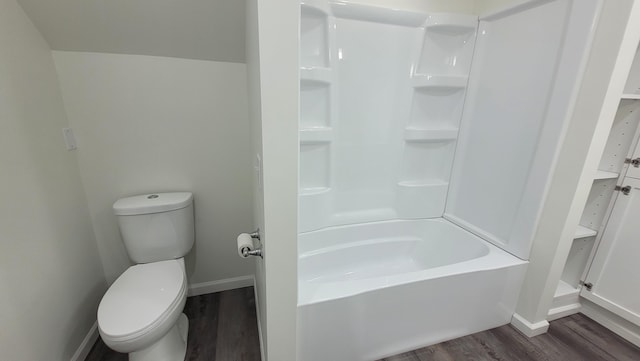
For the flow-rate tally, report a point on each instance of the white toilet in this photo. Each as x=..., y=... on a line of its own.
x=141, y=313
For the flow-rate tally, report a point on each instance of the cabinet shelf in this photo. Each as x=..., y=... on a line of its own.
x=601, y=174
x=564, y=289
x=583, y=232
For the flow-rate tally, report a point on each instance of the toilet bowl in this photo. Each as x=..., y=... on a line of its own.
x=141, y=313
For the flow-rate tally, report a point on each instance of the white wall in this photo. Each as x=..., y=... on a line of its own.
x=272, y=52
x=194, y=29
x=153, y=124
x=50, y=275
x=255, y=117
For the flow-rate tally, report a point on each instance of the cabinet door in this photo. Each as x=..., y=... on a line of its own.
x=615, y=271
x=634, y=167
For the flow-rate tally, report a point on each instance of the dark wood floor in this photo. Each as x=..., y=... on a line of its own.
x=222, y=327
x=573, y=338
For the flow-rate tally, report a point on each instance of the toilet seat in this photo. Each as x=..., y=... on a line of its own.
x=141, y=300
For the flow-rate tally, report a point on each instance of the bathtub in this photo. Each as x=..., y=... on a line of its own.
x=369, y=291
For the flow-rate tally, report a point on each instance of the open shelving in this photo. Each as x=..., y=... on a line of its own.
x=630, y=96
x=612, y=164
x=584, y=232
x=601, y=174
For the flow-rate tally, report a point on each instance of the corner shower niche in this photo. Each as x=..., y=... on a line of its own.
x=381, y=97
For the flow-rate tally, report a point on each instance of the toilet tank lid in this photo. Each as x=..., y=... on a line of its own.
x=152, y=203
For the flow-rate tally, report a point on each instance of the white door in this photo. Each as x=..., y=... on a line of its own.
x=615, y=272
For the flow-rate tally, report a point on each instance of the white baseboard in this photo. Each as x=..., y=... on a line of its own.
x=86, y=345
x=563, y=311
x=527, y=328
x=615, y=323
x=226, y=284
x=255, y=292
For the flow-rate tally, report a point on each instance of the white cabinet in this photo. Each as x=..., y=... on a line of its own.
x=613, y=281
x=601, y=274
x=621, y=137
x=603, y=265
x=615, y=161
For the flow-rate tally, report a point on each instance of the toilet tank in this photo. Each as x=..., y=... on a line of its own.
x=156, y=227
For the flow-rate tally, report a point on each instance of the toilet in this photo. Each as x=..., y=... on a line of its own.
x=141, y=313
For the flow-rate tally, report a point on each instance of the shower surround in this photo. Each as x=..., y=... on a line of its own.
x=427, y=141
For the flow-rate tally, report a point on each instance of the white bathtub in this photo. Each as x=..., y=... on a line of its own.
x=373, y=290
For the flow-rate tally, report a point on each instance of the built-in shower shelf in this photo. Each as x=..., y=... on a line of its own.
x=363, y=216
x=315, y=74
x=630, y=96
x=419, y=184
x=583, y=232
x=439, y=82
x=316, y=135
x=317, y=5
x=425, y=135
x=601, y=174
x=420, y=198
x=313, y=191
x=451, y=24
x=376, y=14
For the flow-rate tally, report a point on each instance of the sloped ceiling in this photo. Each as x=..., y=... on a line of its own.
x=194, y=29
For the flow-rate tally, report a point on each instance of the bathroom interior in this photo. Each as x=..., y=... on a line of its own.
x=321, y=179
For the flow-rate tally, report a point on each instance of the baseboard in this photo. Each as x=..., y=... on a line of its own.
x=86, y=345
x=255, y=293
x=527, y=328
x=613, y=322
x=563, y=311
x=226, y=284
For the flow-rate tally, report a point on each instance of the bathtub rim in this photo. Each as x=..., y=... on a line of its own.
x=316, y=292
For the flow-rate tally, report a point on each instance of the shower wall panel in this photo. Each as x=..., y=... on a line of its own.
x=382, y=93
x=523, y=82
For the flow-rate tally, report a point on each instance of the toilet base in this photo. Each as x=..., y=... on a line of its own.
x=171, y=347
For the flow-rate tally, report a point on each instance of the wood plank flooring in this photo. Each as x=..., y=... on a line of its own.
x=573, y=338
x=222, y=326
